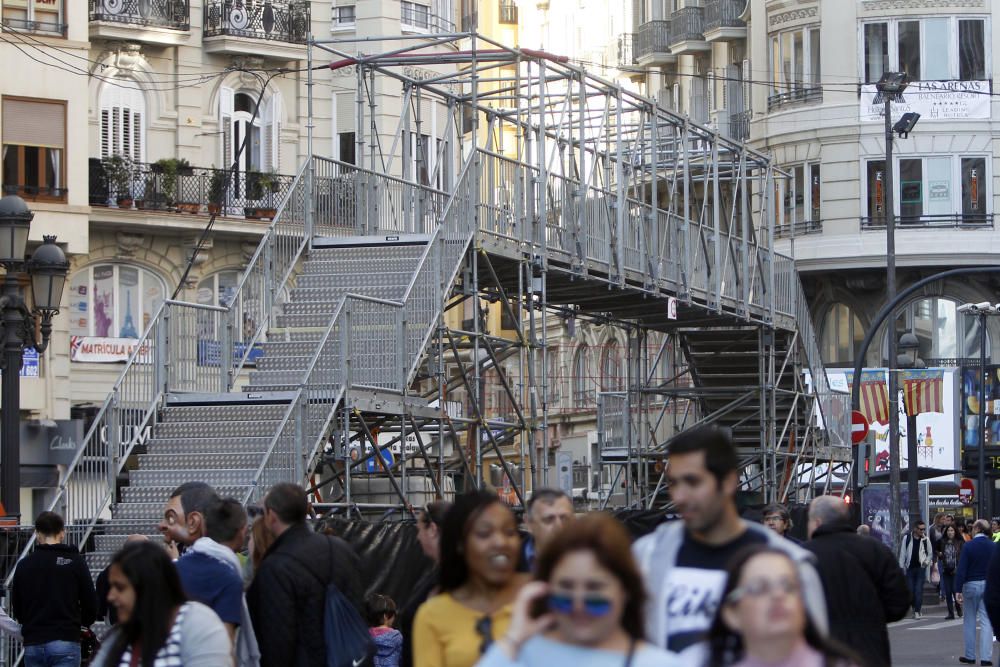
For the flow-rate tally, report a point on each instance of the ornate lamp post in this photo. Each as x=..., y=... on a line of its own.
x=906, y=359
x=47, y=269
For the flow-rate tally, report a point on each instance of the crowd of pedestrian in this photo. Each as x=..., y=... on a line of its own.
x=224, y=587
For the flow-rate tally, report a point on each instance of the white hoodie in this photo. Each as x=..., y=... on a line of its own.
x=656, y=554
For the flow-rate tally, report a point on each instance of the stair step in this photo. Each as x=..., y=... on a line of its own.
x=197, y=413
x=160, y=493
x=221, y=445
x=329, y=361
x=212, y=429
x=367, y=275
x=202, y=461
x=138, y=511
x=235, y=477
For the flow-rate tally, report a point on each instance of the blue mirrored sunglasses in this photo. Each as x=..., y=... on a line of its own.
x=593, y=605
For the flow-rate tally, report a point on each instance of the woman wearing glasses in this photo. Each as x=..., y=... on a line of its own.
x=479, y=550
x=585, y=608
x=762, y=620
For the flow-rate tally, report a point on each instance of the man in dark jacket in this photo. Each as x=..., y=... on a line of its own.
x=288, y=594
x=864, y=586
x=52, y=596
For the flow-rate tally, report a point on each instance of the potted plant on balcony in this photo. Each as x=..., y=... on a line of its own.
x=185, y=171
x=118, y=170
x=269, y=185
x=217, y=190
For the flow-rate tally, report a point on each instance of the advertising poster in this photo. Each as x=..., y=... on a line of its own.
x=875, y=509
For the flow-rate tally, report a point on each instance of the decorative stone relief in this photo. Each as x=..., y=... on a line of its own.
x=128, y=243
x=792, y=15
x=890, y=5
x=247, y=249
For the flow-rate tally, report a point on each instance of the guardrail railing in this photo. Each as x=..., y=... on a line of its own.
x=370, y=342
x=947, y=220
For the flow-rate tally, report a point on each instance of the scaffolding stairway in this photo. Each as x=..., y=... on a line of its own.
x=222, y=440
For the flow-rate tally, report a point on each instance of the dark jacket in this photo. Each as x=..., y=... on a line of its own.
x=865, y=589
x=288, y=595
x=991, y=598
x=52, y=594
x=973, y=561
x=425, y=587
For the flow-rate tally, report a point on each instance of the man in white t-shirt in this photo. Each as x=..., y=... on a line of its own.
x=684, y=562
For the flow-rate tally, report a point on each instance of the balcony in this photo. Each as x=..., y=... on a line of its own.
x=163, y=22
x=800, y=228
x=652, y=45
x=805, y=95
x=277, y=29
x=739, y=125
x=687, y=31
x=946, y=221
x=626, y=50
x=171, y=187
x=508, y=12
x=722, y=21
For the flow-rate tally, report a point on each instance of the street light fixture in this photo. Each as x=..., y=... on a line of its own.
x=890, y=88
x=47, y=270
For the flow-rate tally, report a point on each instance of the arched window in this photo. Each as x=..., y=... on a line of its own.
x=556, y=377
x=113, y=300
x=612, y=376
x=123, y=117
x=946, y=336
x=841, y=336
x=261, y=131
x=583, y=388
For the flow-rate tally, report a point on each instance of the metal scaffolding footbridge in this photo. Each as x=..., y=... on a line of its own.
x=353, y=354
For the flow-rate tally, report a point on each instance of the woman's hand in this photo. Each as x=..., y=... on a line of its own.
x=523, y=625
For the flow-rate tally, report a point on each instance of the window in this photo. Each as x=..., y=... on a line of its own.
x=841, y=336
x=346, y=144
x=944, y=189
x=795, y=65
x=35, y=15
x=944, y=334
x=508, y=12
x=555, y=377
x=802, y=195
x=262, y=132
x=415, y=15
x=34, y=140
x=611, y=368
x=583, y=389
x=928, y=49
x=113, y=301
x=123, y=111
x=343, y=17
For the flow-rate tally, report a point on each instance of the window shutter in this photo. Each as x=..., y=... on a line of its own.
x=34, y=123
x=123, y=108
x=137, y=136
x=226, y=102
x=105, y=133
x=272, y=133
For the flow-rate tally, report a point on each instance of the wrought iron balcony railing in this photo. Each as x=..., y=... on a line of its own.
x=275, y=20
x=687, y=25
x=948, y=220
x=195, y=190
x=800, y=228
x=172, y=14
x=724, y=14
x=804, y=95
x=739, y=125
x=653, y=37
x=626, y=50
x=25, y=25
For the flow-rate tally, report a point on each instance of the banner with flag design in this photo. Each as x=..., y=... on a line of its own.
x=874, y=396
x=922, y=391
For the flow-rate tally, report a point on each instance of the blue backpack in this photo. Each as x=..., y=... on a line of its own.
x=348, y=643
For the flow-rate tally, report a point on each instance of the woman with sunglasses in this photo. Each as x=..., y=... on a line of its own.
x=479, y=549
x=763, y=621
x=585, y=608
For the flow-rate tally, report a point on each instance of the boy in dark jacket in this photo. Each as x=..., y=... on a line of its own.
x=52, y=596
x=864, y=586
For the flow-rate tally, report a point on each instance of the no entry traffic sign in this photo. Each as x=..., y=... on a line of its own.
x=859, y=427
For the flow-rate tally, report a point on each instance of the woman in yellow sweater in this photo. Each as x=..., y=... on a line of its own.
x=479, y=550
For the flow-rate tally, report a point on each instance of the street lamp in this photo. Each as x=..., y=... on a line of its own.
x=907, y=358
x=982, y=311
x=890, y=88
x=47, y=269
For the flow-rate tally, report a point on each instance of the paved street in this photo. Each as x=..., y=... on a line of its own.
x=931, y=641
